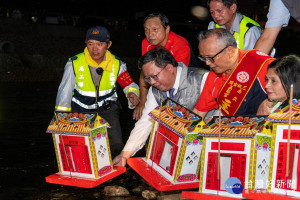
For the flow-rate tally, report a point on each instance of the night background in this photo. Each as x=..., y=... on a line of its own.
x=36, y=40
x=175, y=10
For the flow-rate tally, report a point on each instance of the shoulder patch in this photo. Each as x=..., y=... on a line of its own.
x=73, y=58
x=117, y=57
x=249, y=25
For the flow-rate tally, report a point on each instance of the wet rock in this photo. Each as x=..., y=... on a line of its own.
x=138, y=190
x=96, y=194
x=135, y=177
x=170, y=197
x=59, y=195
x=147, y=194
x=114, y=191
x=122, y=181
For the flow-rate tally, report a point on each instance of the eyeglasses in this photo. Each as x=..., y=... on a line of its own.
x=154, y=77
x=210, y=59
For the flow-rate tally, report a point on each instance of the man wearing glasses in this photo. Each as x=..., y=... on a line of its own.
x=167, y=79
x=236, y=81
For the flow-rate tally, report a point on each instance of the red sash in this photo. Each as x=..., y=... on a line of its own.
x=239, y=83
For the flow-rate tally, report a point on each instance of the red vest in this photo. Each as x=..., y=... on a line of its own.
x=239, y=83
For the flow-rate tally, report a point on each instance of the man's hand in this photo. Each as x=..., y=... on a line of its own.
x=138, y=111
x=144, y=87
x=200, y=113
x=265, y=107
x=121, y=159
x=133, y=98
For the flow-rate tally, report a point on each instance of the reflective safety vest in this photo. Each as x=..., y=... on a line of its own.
x=245, y=24
x=84, y=93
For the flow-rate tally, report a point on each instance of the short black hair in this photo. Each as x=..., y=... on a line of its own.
x=163, y=19
x=160, y=56
x=226, y=3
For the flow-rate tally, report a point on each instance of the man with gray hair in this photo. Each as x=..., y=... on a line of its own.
x=237, y=79
x=167, y=79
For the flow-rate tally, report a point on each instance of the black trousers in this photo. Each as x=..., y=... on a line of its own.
x=111, y=115
x=114, y=133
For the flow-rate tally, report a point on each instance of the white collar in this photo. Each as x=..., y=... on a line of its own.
x=177, y=80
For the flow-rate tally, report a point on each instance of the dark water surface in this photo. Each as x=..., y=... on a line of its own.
x=27, y=154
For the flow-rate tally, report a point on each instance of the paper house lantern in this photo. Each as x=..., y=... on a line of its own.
x=82, y=150
x=174, y=148
x=243, y=154
x=282, y=182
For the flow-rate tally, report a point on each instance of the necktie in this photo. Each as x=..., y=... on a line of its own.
x=171, y=93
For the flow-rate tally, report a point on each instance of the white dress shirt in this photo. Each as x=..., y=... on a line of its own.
x=142, y=127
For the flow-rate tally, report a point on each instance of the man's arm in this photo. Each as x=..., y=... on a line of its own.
x=207, y=100
x=133, y=98
x=65, y=89
x=278, y=17
x=136, y=140
x=267, y=39
x=144, y=87
x=130, y=88
x=122, y=158
x=200, y=113
x=139, y=134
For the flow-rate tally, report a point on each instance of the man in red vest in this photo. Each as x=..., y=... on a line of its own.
x=158, y=34
x=237, y=79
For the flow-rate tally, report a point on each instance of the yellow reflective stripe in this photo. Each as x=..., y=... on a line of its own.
x=243, y=30
x=134, y=90
x=84, y=105
x=62, y=108
x=92, y=93
x=240, y=44
x=91, y=106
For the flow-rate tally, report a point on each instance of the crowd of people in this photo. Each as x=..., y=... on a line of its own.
x=245, y=78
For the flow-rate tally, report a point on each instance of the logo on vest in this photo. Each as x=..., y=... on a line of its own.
x=80, y=84
x=242, y=77
x=81, y=68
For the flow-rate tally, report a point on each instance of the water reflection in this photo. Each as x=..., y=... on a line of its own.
x=27, y=153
